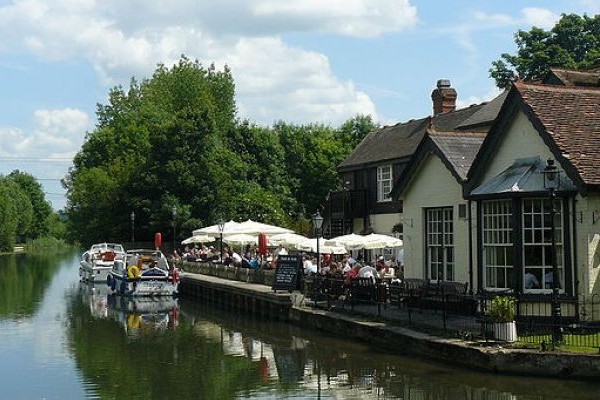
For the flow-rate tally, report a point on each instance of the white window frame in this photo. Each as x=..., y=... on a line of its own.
x=537, y=242
x=384, y=183
x=497, y=238
x=440, y=243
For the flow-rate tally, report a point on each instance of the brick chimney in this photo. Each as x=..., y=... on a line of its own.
x=444, y=97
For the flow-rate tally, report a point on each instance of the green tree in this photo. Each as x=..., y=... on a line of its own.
x=574, y=43
x=160, y=144
x=354, y=130
x=9, y=216
x=33, y=221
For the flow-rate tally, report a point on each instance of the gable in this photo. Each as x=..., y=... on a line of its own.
x=521, y=140
x=432, y=184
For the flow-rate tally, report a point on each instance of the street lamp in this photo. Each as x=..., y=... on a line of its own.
x=174, y=212
x=551, y=184
x=318, y=223
x=132, y=217
x=221, y=229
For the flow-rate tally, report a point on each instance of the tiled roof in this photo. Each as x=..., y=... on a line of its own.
x=459, y=148
x=573, y=78
x=571, y=117
x=401, y=140
x=485, y=114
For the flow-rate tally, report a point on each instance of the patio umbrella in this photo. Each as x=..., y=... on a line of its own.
x=286, y=239
x=198, y=239
x=240, y=239
x=324, y=248
x=250, y=227
x=350, y=241
x=213, y=230
x=379, y=241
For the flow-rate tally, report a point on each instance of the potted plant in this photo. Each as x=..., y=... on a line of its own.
x=502, y=313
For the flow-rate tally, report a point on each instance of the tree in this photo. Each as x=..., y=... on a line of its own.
x=9, y=216
x=573, y=43
x=36, y=225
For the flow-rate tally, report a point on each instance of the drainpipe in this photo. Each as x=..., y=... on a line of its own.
x=470, y=247
x=574, y=254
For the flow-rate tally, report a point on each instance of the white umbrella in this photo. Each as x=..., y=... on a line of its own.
x=213, y=230
x=198, y=239
x=250, y=227
x=350, y=241
x=379, y=241
x=286, y=239
x=240, y=239
x=311, y=246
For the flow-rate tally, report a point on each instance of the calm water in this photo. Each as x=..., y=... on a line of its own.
x=60, y=339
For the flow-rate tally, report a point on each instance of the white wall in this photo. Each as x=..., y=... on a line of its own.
x=432, y=186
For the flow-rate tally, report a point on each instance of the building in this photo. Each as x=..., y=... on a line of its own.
x=370, y=171
x=494, y=225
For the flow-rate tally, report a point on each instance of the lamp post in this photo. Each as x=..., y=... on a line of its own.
x=221, y=229
x=174, y=212
x=132, y=218
x=318, y=223
x=551, y=183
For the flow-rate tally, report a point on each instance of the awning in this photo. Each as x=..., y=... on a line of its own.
x=524, y=176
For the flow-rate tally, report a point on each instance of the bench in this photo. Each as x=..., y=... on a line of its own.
x=362, y=290
x=448, y=296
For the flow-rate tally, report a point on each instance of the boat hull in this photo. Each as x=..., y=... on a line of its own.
x=142, y=286
x=94, y=271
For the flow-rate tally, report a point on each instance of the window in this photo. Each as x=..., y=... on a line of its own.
x=384, y=183
x=537, y=243
x=440, y=243
x=497, y=230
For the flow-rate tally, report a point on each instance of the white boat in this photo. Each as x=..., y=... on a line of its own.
x=99, y=260
x=143, y=272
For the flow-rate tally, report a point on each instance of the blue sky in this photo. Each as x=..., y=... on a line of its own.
x=299, y=61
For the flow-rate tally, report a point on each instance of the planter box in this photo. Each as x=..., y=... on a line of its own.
x=505, y=331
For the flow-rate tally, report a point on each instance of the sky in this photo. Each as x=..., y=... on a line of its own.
x=299, y=61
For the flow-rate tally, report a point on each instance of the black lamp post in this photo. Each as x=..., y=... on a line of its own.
x=174, y=212
x=318, y=223
x=551, y=183
x=221, y=229
x=132, y=218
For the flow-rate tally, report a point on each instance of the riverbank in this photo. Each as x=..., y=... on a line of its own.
x=369, y=324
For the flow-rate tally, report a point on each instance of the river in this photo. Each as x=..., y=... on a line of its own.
x=62, y=339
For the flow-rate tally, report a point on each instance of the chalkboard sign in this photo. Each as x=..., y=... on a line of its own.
x=286, y=274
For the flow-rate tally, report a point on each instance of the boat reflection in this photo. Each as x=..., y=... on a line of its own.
x=138, y=314
x=134, y=314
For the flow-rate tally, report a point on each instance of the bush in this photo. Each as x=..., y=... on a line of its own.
x=502, y=309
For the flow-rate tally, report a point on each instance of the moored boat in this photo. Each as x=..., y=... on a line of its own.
x=143, y=272
x=98, y=261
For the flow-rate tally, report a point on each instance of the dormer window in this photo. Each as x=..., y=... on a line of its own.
x=384, y=183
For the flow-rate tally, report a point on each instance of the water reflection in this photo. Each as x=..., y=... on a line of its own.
x=23, y=282
x=169, y=349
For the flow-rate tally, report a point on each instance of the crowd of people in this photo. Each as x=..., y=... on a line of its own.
x=349, y=268
x=339, y=266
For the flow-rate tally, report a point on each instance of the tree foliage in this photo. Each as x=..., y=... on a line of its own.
x=171, y=149
x=573, y=43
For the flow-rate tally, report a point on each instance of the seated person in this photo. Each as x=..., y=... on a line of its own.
x=308, y=266
x=531, y=281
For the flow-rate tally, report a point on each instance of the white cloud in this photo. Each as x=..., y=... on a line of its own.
x=347, y=17
x=491, y=94
x=56, y=134
x=540, y=17
x=274, y=80
x=45, y=150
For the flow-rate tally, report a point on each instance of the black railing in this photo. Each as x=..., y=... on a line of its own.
x=447, y=308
